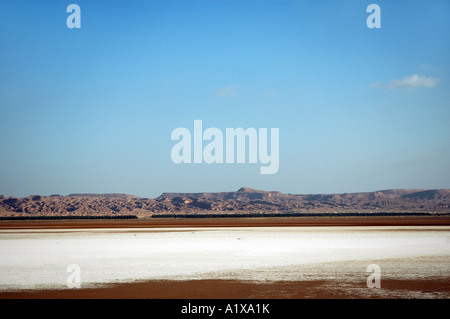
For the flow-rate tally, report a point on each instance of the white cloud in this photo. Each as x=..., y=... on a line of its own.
x=414, y=81
x=228, y=91
x=411, y=81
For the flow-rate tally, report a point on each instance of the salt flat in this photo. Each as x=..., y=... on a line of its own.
x=38, y=259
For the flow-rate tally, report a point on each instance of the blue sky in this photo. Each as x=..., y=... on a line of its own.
x=92, y=109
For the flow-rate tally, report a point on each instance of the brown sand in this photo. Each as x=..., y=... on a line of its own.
x=231, y=289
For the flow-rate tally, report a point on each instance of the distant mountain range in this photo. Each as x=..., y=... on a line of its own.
x=245, y=200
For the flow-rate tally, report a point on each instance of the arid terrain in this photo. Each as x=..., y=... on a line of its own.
x=212, y=258
x=243, y=201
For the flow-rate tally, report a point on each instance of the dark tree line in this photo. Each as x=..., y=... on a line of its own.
x=67, y=217
x=296, y=215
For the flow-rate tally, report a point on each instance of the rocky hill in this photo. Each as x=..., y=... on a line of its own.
x=245, y=200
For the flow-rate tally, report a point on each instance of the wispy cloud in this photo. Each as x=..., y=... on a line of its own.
x=411, y=81
x=228, y=91
x=431, y=68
